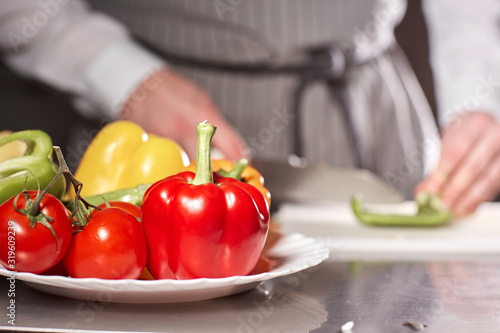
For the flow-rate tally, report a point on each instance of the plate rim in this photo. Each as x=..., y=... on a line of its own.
x=317, y=253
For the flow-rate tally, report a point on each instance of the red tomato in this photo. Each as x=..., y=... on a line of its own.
x=111, y=246
x=34, y=250
x=126, y=206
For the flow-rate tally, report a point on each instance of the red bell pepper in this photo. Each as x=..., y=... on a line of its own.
x=198, y=228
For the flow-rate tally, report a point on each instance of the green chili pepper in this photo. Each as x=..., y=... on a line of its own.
x=32, y=171
x=133, y=195
x=431, y=212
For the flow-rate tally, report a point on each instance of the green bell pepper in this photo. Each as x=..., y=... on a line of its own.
x=431, y=212
x=32, y=171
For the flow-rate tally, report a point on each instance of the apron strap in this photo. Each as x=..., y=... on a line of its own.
x=327, y=65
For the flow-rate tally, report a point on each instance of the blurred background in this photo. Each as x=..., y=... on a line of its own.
x=27, y=104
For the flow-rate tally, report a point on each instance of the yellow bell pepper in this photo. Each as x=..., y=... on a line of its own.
x=122, y=155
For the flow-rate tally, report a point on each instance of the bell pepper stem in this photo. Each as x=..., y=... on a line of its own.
x=204, y=175
x=237, y=169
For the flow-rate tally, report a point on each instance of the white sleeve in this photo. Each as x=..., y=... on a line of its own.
x=66, y=45
x=465, y=55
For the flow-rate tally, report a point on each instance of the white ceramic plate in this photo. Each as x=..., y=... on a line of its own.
x=293, y=252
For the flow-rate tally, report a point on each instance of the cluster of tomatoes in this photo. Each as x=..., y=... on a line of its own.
x=112, y=245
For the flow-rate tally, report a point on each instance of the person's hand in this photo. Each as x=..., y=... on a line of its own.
x=169, y=105
x=468, y=172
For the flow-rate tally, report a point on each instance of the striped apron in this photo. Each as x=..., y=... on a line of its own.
x=321, y=80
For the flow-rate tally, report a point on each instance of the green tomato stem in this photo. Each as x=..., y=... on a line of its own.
x=81, y=206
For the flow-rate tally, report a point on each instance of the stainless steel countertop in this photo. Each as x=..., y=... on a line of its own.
x=446, y=295
x=377, y=290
